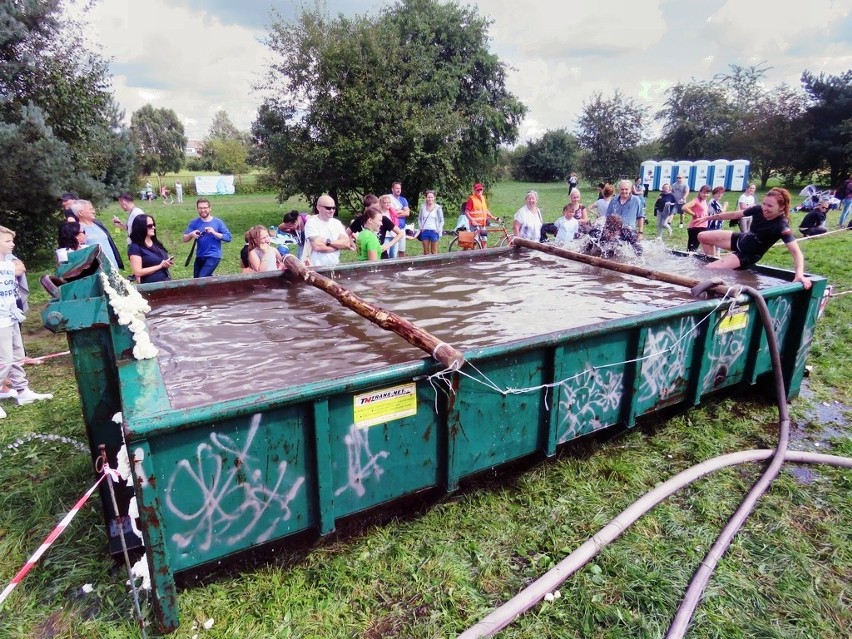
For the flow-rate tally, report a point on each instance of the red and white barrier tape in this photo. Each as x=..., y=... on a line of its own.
x=43, y=358
x=107, y=471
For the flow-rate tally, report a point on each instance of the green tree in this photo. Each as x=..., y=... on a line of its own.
x=775, y=135
x=412, y=94
x=743, y=85
x=550, y=158
x=226, y=149
x=35, y=166
x=768, y=126
x=611, y=132
x=828, y=123
x=698, y=121
x=159, y=139
x=228, y=157
x=60, y=96
x=735, y=116
x=221, y=128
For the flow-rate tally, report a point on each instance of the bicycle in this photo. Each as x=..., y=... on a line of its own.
x=477, y=241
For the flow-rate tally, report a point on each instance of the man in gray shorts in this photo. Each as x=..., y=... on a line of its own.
x=680, y=189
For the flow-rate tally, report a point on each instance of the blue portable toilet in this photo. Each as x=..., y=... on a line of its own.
x=702, y=173
x=738, y=175
x=664, y=172
x=648, y=172
x=719, y=172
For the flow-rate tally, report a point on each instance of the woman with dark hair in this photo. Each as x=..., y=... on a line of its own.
x=430, y=219
x=71, y=236
x=149, y=259
x=367, y=242
x=697, y=210
x=387, y=229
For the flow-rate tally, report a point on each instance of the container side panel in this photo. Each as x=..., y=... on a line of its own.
x=809, y=311
x=727, y=353
x=591, y=384
x=229, y=486
x=487, y=428
x=781, y=311
x=152, y=525
x=398, y=455
x=98, y=384
x=667, y=349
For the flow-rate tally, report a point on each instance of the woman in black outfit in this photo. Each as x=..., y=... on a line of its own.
x=149, y=259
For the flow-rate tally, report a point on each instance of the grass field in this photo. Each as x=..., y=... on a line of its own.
x=430, y=571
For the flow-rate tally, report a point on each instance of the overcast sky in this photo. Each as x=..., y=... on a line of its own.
x=199, y=56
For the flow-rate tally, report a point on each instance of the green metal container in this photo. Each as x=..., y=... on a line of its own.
x=215, y=480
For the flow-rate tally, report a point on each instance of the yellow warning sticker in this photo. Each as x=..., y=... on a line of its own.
x=384, y=405
x=735, y=321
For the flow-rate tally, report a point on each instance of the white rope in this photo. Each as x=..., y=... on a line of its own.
x=488, y=383
x=809, y=237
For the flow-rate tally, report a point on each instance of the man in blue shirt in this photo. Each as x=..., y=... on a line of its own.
x=628, y=206
x=209, y=232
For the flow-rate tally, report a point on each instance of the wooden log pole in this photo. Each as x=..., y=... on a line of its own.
x=411, y=333
x=718, y=289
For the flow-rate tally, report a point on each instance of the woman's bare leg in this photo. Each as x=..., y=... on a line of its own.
x=729, y=261
x=722, y=239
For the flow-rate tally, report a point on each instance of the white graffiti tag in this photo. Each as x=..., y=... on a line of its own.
x=231, y=496
x=587, y=400
x=665, y=360
x=730, y=348
x=361, y=462
x=781, y=317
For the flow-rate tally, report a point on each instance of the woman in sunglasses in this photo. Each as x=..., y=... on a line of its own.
x=149, y=259
x=71, y=236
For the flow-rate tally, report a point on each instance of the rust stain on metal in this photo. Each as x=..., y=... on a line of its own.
x=151, y=516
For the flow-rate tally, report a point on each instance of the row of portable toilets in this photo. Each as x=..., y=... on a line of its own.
x=732, y=174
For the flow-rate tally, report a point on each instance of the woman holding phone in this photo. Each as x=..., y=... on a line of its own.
x=149, y=259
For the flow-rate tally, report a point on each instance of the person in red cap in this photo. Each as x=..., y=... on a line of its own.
x=476, y=210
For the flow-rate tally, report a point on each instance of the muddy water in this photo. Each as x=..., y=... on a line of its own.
x=227, y=345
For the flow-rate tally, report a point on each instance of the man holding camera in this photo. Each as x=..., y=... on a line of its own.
x=208, y=232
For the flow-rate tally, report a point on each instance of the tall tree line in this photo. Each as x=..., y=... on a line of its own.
x=781, y=131
x=60, y=128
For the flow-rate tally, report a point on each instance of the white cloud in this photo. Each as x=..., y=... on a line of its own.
x=176, y=58
x=551, y=29
x=764, y=29
x=196, y=61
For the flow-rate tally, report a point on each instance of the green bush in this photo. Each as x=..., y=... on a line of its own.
x=252, y=188
x=198, y=164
